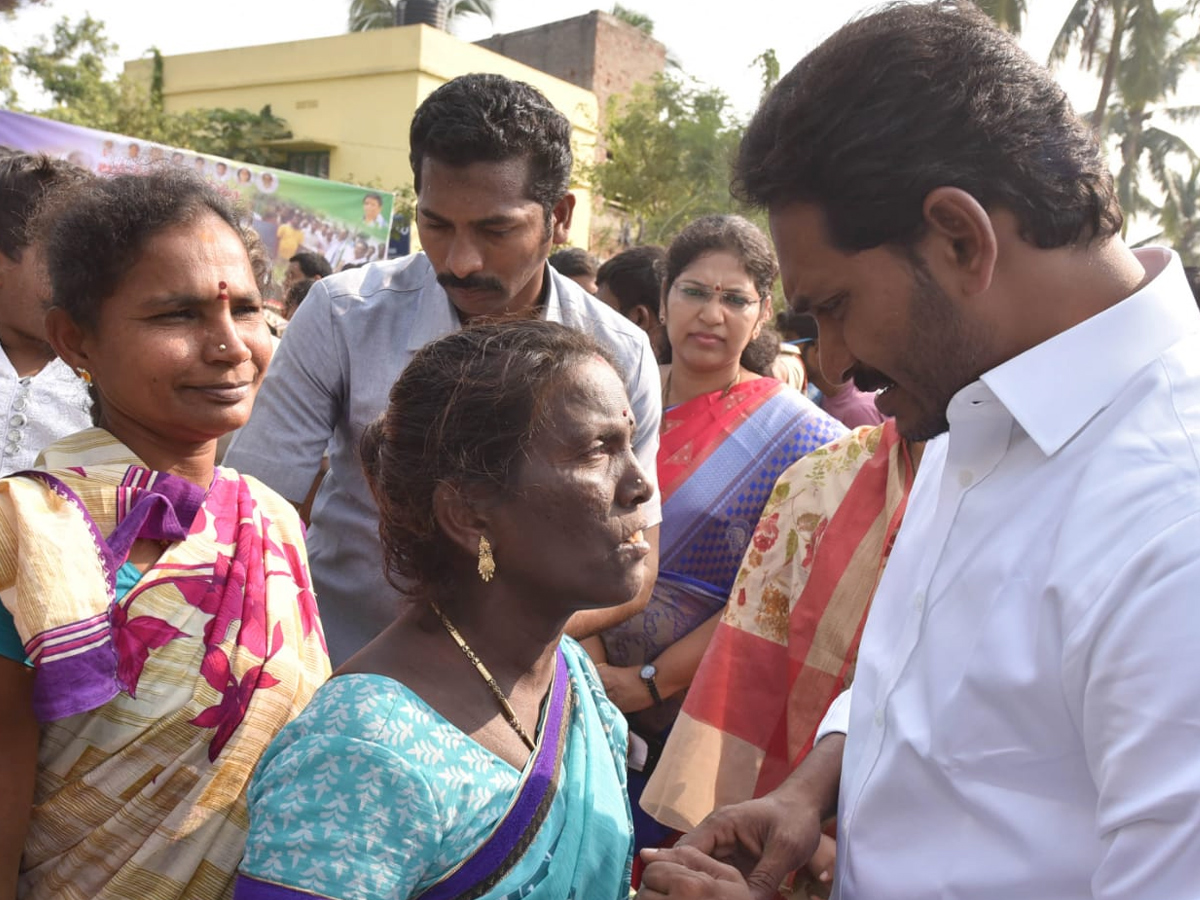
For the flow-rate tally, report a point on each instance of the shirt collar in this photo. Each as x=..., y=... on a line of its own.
x=551, y=296
x=1054, y=389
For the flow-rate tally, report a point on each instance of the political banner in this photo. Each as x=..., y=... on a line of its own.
x=291, y=212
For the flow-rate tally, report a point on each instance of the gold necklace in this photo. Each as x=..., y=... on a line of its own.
x=509, y=713
x=725, y=393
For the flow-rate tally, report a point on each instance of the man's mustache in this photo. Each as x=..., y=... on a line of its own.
x=470, y=283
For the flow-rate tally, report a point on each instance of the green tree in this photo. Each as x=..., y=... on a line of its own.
x=367, y=15
x=638, y=20
x=1147, y=76
x=1119, y=40
x=768, y=62
x=1009, y=14
x=9, y=7
x=1179, y=214
x=70, y=68
x=670, y=145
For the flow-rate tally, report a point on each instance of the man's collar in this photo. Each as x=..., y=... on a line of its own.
x=1055, y=388
x=551, y=299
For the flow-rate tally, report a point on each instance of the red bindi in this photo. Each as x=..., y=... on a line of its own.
x=222, y=294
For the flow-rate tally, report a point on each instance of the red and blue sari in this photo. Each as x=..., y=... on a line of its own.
x=719, y=456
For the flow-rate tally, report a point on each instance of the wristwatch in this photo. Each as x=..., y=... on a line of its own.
x=647, y=675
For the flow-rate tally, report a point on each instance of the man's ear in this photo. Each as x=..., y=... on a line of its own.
x=461, y=515
x=560, y=218
x=960, y=240
x=67, y=338
x=642, y=317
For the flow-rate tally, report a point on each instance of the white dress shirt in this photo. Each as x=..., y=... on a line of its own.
x=1025, y=720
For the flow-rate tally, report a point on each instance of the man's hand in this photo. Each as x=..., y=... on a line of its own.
x=684, y=872
x=762, y=839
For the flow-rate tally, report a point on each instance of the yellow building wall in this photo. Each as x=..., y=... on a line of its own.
x=355, y=94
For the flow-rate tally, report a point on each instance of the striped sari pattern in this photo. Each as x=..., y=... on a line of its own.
x=787, y=641
x=155, y=707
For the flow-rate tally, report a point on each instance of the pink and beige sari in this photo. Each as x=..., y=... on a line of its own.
x=157, y=704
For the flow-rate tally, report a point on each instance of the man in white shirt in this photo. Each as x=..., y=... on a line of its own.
x=1025, y=718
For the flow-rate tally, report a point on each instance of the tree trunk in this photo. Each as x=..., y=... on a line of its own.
x=1110, y=67
x=1131, y=152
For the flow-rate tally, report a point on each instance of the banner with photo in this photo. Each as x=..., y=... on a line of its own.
x=290, y=212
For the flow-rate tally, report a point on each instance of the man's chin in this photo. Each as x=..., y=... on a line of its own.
x=921, y=428
x=472, y=302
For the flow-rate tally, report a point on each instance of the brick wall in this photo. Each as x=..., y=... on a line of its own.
x=595, y=51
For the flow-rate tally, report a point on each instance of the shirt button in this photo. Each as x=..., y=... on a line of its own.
x=14, y=436
x=919, y=601
x=17, y=420
x=20, y=403
x=879, y=717
x=965, y=477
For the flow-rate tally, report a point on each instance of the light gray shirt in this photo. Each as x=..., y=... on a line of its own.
x=37, y=410
x=341, y=353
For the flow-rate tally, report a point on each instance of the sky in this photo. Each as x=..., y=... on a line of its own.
x=716, y=42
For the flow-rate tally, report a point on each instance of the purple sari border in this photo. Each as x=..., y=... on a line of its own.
x=75, y=684
x=163, y=508
x=57, y=636
x=487, y=864
x=249, y=888
x=71, y=676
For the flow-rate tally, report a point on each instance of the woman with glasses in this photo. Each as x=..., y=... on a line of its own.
x=727, y=434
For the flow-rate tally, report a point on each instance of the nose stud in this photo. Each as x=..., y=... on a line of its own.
x=222, y=347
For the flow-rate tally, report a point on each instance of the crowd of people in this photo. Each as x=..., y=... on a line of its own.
x=506, y=573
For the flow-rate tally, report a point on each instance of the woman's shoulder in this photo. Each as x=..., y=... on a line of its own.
x=369, y=770
x=835, y=461
x=363, y=707
x=278, y=510
x=337, y=786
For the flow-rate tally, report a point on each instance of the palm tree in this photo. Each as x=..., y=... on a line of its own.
x=366, y=15
x=1100, y=29
x=1179, y=215
x=1008, y=14
x=1144, y=80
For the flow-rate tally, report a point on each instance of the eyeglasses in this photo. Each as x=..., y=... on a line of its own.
x=701, y=294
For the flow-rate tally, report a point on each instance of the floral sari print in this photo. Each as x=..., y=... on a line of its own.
x=156, y=702
x=371, y=793
x=788, y=640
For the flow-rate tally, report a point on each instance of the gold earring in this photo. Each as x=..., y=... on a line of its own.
x=487, y=563
x=84, y=374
